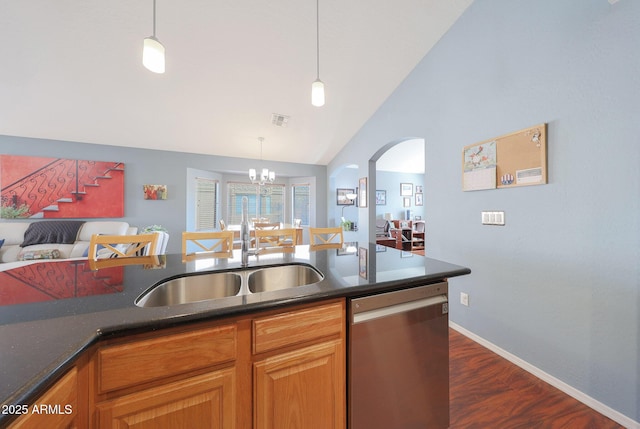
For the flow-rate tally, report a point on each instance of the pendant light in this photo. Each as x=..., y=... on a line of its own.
x=153, y=51
x=317, y=87
x=266, y=176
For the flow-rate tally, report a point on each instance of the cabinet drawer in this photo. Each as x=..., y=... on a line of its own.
x=273, y=332
x=147, y=360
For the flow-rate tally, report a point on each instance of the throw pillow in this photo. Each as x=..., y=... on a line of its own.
x=30, y=255
x=1, y=243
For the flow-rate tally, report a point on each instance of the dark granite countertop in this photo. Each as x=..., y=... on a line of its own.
x=50, y=312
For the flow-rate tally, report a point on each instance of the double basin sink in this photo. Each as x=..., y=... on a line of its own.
x=208, y=286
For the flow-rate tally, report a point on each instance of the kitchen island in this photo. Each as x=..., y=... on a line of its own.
x=57, y=312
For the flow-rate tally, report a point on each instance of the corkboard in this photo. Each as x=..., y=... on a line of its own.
x=520, y=160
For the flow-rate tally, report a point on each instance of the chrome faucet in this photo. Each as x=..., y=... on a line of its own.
x=244, y=233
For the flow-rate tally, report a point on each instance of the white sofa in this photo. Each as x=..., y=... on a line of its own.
x=13, y=234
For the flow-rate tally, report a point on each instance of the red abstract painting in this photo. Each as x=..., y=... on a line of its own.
x=59, y=188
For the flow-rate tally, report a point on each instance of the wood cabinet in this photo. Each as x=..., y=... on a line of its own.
x=203, y=401
x=56, y=408
x=181, y=379
x=276, y=369
x=301, y=380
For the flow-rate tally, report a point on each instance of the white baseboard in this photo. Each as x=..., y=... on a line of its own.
x=561, y=385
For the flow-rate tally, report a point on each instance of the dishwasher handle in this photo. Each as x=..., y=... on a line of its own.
x=403, y=307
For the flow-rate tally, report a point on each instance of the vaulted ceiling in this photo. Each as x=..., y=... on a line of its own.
x=72, y=70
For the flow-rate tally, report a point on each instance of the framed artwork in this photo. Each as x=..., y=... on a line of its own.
x=418, y=189
x=33, y=186
x=418, y=199
x=381, y=198
x=406, y=202
x=362, y=192
x=154, y=192
x=362, y=262
x=342, y=199
x=405, y=254
x=380, y=248
x=406, y=189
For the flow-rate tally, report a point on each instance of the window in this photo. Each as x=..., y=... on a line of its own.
x=301, y=202
x=206, y=203
x=265, y=201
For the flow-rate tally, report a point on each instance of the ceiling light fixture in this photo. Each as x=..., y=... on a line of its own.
x=153, y=51
x=266, y=176
x=317, y=87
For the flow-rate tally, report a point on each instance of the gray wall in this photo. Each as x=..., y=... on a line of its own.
x=558, y=286
x=143, y=166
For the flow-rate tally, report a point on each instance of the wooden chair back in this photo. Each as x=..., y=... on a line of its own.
x=217, y=244
x=266, y=238
x=320, y=236
x=266, y=225
x=123, y=245
x=151, y=261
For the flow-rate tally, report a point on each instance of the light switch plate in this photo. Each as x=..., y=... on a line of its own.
x=493, y=218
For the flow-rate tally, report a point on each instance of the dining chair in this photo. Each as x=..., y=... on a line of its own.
x=275, y=238
x=325, y=238
x=122, y=245
x=267, y=225
x=217, y=244
x=149, y=261
x=331, y=235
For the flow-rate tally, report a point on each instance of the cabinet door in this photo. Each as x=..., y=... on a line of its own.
x=204, y=401
x=60, y=406
x=304, y=388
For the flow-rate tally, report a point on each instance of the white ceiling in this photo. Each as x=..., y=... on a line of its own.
x=72, y=70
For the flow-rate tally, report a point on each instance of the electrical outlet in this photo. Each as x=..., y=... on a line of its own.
x=464, y=299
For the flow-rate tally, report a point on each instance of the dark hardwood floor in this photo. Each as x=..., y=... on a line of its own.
x=487, y=391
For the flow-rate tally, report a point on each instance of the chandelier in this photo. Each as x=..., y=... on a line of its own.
x=266, y=176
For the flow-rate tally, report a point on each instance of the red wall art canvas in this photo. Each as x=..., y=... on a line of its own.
x=59, y=188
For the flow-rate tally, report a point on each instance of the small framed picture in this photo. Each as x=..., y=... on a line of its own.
x=406, y=189
x=154, y=192
x=406, y=202
x=418, y=199
x=381, y=198
x=362, y=192
x=418, y=189
x=342, y=199
x=405, y=254
x=380, y=248
x=362, y=262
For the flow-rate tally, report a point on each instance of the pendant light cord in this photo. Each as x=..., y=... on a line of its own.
x=317, y=37
x=154, y=19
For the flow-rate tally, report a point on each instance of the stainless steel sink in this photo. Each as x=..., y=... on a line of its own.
x=187, y=289
x=204, y=287
x=282, y=277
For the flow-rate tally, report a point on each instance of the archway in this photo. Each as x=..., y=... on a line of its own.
x=399, y=161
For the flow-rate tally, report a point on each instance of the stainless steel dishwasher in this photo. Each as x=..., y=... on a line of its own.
x=399, y=359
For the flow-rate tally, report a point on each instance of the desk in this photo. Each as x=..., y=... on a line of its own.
x=404, y=239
